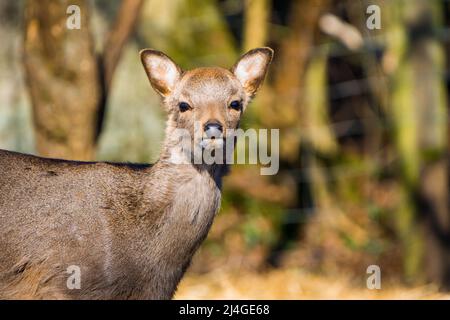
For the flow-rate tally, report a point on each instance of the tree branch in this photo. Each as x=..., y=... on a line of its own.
x=122, y=28
x=124, y=25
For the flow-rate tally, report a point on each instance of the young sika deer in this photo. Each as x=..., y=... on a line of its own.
x=130, y=229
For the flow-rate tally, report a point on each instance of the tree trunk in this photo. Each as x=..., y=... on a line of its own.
x=287, y=111
x=428, y=57
x=61, y=71
x=256, y=15
x=419, y=115
x=68, y=83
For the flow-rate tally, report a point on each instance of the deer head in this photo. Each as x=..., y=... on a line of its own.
x=206, y=102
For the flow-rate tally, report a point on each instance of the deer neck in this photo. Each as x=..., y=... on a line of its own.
x=183, y=197
x=175, y=158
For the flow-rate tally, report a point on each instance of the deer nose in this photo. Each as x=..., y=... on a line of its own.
x=213, y=129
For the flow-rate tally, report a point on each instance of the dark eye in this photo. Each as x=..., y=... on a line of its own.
x=236, y=105
x=184, y=106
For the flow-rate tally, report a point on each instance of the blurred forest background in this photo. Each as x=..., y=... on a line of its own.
x=363, y=119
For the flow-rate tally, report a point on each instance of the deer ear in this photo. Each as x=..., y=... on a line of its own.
x=162, y=72
x=252, y=67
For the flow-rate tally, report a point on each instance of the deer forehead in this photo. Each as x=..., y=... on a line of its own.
x=209, y=84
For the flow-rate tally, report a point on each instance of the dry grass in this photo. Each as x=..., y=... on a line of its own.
x=291, y=284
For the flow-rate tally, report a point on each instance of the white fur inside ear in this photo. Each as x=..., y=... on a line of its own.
x=250, y=68
x=163, y=70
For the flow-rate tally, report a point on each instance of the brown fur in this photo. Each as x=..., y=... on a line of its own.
x=132, y=229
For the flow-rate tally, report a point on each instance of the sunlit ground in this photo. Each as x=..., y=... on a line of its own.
x=292, y=284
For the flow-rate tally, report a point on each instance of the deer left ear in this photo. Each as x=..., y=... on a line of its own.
x=252, y=67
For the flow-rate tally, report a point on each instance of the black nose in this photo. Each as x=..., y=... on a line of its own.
x=213, y=125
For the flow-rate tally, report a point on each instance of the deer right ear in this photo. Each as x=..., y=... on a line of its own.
x=162, y=72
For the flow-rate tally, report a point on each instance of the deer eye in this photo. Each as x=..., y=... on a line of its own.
x=236, y=105
x=184, y=106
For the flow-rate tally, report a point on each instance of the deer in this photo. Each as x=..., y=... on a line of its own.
x=130, y=229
